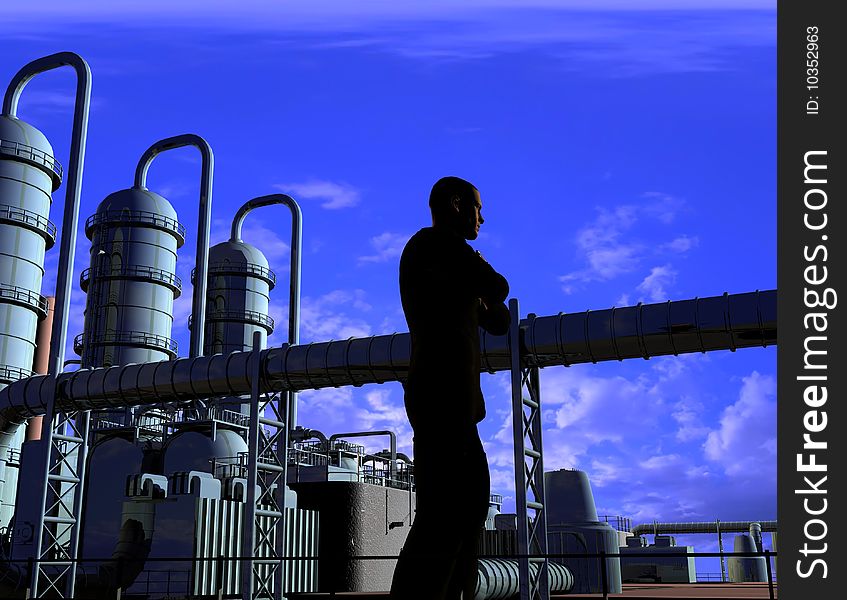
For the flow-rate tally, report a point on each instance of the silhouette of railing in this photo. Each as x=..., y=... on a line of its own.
x=143, y=585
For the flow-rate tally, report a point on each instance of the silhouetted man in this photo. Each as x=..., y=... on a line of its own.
x=448, y=291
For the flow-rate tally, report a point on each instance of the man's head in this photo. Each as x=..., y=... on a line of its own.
x=455, y=205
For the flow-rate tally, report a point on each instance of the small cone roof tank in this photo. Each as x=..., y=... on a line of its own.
x=568, y=497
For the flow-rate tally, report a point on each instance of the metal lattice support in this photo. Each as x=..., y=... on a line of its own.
x=529, y=469
x=64, y=438
x=267, y=472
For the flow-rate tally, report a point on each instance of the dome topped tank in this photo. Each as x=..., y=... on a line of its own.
x=28, y=176
x=191, y=450
x=132, y=282
x=238, y=297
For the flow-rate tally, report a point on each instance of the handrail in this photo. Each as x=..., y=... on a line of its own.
x=151, y=340
x=34, y=156
x=241, y=269
x=30, y=219
x=171, y=280
x=142, y=217
x=24, y=297
x=240, y=316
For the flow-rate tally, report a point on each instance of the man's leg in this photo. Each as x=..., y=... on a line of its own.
x=476, y=492
x=427, y=558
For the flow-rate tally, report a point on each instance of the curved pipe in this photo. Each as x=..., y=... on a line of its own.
x=198, y=303
x=391, y=436
x=717, y=323
x=299, y=434
x=294, y=283
x=73, y=191
x=702, y=527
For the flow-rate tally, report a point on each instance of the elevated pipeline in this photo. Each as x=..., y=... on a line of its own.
x=725, y=322
x=701, y=527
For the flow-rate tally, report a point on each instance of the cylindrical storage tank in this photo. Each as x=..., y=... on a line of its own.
x=746, y=568
x=568, y=497
x=573, y=527
x=28, y=176
x=131, y=282
x=237, y=298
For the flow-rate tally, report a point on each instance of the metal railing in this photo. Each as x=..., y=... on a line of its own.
x=24, y=297
x=253, y=317
x=31, y=220
x=9, y=374
x=141, y=338
x=617, y=522
x=32, y=155
x=243, y=270
x=142, y=272
x=140, y=585
x=134, y=217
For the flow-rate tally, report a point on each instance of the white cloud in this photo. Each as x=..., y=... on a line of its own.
x=745, y=443
x=387, y=245
x=325, y=407
x=325, y=317
x=687, y=414
x=681, y=244
x=383, y=414
x=334, y=195
x=604, y=246
x=655, y=284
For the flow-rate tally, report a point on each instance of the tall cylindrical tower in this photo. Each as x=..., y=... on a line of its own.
x=237, y=298
x=28, y=176
x=131, y=283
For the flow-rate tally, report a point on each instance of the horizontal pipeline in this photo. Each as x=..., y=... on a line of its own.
x=701, y=527
x=725, y=322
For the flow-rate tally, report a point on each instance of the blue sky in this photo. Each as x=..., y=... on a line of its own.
x=623, y=154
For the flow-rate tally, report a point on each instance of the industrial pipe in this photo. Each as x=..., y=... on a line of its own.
x=204, y=219
x=498, y=578
x=725, y=322
x=41, y=362
x=294, y=273
x=702, y=527
x=392, y=449
x=73, y=191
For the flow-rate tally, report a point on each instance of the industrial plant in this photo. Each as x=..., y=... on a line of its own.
x=156, y=472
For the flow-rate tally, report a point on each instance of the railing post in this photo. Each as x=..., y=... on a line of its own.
x=770, y=575
x=603, y=574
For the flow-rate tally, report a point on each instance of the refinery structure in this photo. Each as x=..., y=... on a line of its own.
x=152, y=473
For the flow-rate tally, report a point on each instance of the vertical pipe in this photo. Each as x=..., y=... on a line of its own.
x=41, y=362
x=294, y=283
x=73, y=191
x=248, y=532
x=201, y=271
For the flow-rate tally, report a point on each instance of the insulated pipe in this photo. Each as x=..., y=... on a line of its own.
x=702, y=527
x=723, y=322
x=201, y=270
x=41, y=362
x=294, y=283
x=79, y=134
x=499, y=578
